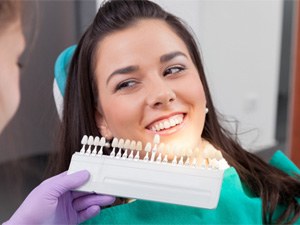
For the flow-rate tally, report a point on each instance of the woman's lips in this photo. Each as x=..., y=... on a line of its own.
x=167, y=125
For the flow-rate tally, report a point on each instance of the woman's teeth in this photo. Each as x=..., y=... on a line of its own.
x=167, y=123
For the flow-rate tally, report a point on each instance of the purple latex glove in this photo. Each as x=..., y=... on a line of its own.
x=53, y=202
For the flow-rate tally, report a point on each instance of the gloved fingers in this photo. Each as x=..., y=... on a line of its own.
x=54, y=178
x=88, y=213
x=84, y=202
x=77, y=194
x=64, y=182
x=75, y=180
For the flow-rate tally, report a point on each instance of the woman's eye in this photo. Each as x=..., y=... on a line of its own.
x=172, y=70
x=125, y=84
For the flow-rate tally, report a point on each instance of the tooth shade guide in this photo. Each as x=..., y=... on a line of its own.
x=162, y=181
x=209, y=157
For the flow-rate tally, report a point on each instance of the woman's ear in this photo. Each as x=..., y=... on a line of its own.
x=102, y=126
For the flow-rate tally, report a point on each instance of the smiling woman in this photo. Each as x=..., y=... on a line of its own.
x=150, y=89
x=137, y=72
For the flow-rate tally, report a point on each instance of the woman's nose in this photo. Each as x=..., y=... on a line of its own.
x=161, y=95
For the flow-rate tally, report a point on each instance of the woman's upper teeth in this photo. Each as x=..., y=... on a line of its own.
x=167, y=123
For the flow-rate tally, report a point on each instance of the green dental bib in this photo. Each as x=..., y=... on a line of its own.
x=236, y=205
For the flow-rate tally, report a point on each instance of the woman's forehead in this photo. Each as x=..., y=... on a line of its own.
x=149, y=37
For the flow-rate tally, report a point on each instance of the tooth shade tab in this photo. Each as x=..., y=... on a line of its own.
x=174, y=162
x=84, y=140
x=165, y=160
x=90, y=140
x=194, y=163
x=97, y=141
x=114, y=143
x=176, y=150
x=102, y=141
x=196, y=152
x=156, y=139
x=223, y=165
x=94, y=152
x=121, y=143
x=124, y=156
x=120, y=146
x=168, y=149
x=158, y=159
x=182, y=151
x=189, y=152
x=218, y=155
x=137, y=156
x=127, y=144
x=113, y=152
x=214, y=164
x=187, y=162
x=206, y=153
x=148, y=147
x=161, y=147
x=139, y=146
x=132, y=145
x=180, y=161
x=154, y=150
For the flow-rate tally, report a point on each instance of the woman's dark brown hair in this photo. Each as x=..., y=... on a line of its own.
x=272, y=185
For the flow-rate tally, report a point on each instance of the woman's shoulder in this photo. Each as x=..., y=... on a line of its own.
x=282, y=162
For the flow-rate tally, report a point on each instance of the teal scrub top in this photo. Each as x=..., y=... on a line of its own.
x=236, y=205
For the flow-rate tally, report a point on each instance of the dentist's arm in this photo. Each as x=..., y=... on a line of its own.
x=53, y=202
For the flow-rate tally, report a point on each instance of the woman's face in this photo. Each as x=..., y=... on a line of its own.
x=12, y=44
x=148, y=84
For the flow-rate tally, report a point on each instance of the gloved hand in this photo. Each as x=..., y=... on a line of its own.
x=53, y=202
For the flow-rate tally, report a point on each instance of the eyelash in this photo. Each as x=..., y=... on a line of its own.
x=125, y=84
x=130, y=83
x=178, y=68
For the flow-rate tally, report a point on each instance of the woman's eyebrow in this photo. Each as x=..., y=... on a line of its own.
x=125, y=70
x=170, y=56
x=130, y=69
